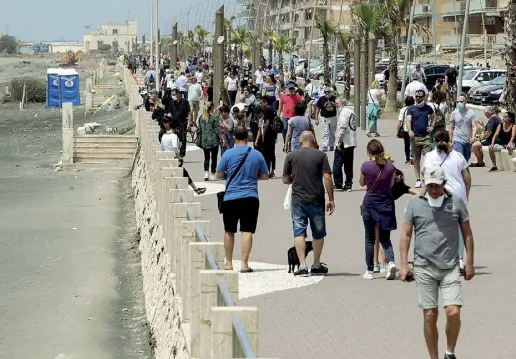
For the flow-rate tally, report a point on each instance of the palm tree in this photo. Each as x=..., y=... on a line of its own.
x=241, y=38
x=509, y=96
x=228, y=30
x=201, y=34
x=270, y=35
x=397, y=15
x=327, y=31
x=283, y=45
x=346, y=41
x=368, y=17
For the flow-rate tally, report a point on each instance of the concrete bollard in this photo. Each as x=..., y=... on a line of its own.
x=67, y=115
x=223, y=341
x=68, y=146
x=168, y=178
x=189, y=235
x=89, y=101
x=159, y=165
x=197, y=260
x=173, y=197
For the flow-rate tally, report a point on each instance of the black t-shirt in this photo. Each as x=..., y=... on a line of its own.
x=180, y=111
x=307, y=166
x=327, y=106
x=452, y=76
x=253, y=89
x=491, y=126
x=399, y=189
x=210, y=93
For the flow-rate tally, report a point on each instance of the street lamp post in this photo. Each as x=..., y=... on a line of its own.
x=407, y=50
x=334, y=77
x=463, y=48
x=311, y=38
x=151, y=31
x=158, y=56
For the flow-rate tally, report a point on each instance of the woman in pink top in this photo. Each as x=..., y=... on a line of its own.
x=288, y=102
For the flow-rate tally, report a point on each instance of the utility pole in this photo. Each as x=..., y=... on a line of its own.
x=158, y=56
x=334, y=72
x=151, y=43
x=434, y=27
x=364, y=85
x=463, y=48
x=356, y=85
x=407, y=49
x=292, y=19
x=311, y=38
x=218, y=57
x=173, y=53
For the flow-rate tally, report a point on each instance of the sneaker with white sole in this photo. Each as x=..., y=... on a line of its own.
x=206, y=176
x=418, y=184
x=391, y=271
x=213, y=177
x=368, y=275
x=377, y=268
x=383, y=268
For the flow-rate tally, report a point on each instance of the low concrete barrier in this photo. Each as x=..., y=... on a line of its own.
x=191, y=302
x=504, y=161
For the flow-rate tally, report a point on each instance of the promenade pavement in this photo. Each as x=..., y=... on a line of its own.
x=345, y=316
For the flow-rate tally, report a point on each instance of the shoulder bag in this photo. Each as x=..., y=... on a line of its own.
x=401, y=130
x=378, y=109
x=220, y=195
x=371, y=188
x=311, y=129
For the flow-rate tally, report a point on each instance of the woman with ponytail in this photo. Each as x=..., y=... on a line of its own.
x=458, y=178
x=209, y=140
x=378, y=208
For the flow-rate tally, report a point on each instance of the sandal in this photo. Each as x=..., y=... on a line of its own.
x=477, y=164
x=248, y=270
x=368, y=134
x=493, y=169
x=200, y=190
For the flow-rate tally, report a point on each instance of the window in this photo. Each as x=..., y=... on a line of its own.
x=115, y=31
x=99, y=44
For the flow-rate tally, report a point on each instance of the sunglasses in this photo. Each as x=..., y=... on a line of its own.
x=418, y=97
x=327, y=91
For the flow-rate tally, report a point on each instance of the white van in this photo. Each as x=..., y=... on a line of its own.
x=475, y=78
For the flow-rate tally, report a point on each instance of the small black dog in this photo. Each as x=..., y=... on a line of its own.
x=293, y=258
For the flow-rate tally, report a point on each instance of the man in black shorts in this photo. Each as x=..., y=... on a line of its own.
x=241, y=203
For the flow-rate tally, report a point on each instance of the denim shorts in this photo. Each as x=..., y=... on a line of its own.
x=302, y=214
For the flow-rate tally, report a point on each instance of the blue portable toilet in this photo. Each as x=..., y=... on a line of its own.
x=62, y=86
x=69, y=86
x=53, y=93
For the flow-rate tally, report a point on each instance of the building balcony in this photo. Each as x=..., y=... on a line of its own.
x=474, y=41
x=488, y=7
x=423, y=10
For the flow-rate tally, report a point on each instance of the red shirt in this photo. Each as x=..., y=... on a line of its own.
x=289, y=102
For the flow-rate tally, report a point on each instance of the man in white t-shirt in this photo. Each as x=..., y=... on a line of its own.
x=198, y=75
x=194, y=98
x=181, y=84
x=258, y=76
x=170, y=80
x=415, y=86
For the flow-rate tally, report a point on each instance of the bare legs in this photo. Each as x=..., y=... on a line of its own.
x=452, y=329
x=318, y=244
x=247, y=245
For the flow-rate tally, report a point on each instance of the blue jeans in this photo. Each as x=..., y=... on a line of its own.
x=343, y=157
x=464, y=148
x=285, y=127
x=385, y=240
x=302, y=214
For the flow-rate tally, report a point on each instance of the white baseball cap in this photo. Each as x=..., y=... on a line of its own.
x=434, y=175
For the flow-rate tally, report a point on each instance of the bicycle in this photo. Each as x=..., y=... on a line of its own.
x=452, y=97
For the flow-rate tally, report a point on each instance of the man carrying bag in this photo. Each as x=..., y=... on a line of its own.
x=243, y=167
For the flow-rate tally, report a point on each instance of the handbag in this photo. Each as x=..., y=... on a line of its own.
x=198, y=140
x=400, y=131
x=371, y=188
x=377, y=108
x=221, y=194
x=287, y=203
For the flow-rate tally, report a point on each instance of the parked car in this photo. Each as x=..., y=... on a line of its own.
x=433, y=73
x=476, y=78
x=318, y=73
x=489, y=94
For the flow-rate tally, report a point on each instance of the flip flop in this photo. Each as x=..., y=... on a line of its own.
x=249, y=270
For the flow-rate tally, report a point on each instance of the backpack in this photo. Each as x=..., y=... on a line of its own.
x=151, y=78
x=277, y=124
x=440, y=121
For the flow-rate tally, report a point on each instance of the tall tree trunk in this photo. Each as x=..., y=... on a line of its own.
x=326, y=57
x=280, y=58
x=509, y=97
x=392, y=101
x=367, y=81
x=347, y=73
x=240, y=59
x=230, y=47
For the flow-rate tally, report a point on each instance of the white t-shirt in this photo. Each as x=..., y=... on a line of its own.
x=309, y=89
x=170, y=142
x=259, y=76
x=453, y=164
x=232, y=84
x=401, y=118
x=194, y=92
x=373, y=96
x=414, y=86
x=171, y=84
x=181, y=82
x=198, y=76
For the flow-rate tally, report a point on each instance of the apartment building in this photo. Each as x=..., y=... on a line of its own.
x=119, y=36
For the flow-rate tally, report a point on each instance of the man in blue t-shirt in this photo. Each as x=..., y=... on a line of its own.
x=420, y=119
x=241, y=203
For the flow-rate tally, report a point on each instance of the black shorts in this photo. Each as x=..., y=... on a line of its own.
x=244, y=210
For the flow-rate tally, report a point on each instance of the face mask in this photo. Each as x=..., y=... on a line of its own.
x=420, y=102
x=460, y=105
x=174, y=97
x=435, y=202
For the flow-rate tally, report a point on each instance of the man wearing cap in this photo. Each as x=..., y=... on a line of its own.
x=326, y=113
x=287, y=102
x=433, y=216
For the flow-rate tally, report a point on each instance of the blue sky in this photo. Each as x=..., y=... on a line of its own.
x=54, y=20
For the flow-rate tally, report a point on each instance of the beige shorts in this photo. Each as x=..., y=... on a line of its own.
x=194, y=106
x=421, y=145
x=430, y=279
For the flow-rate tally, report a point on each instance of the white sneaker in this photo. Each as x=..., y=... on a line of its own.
x=206, y=176
x=391, y=271
x=213, y=177
x=383, y=268
x=418, y=184
x=368, y=275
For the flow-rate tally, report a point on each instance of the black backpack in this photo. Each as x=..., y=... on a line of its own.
x=151, y=78
x=440, y=121
x=277, y=125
